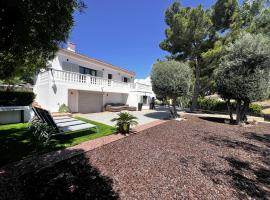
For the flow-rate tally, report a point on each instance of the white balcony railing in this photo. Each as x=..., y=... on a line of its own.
x=87, y=81
x=81, y=79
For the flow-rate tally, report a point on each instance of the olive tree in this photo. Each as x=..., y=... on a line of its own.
x=243, y=74
x=171, y=79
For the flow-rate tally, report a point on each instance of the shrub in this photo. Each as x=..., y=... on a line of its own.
x=124, y=121
x=217, y=105
x=41, y=133
x=16, y=98
x=63, y=108
x=211, y=104
x=255, y=109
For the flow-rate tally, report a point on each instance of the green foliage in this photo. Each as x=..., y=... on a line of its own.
x=124, y=121
x=31, y=32
x=214, y=104
x=188, y=31
x=171, y=79
x=63, y=108
x=224, y=12
x=211, y=104
x=41, y=134
x=255, y=109
x=16, y=98
x=244, y=71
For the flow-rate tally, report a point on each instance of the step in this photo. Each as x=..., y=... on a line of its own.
x=77, y=127
x=72, y=123
x=64, y=120
x=63, y=117
x=58, y=114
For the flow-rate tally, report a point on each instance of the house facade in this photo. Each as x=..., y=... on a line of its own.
x=86, y=85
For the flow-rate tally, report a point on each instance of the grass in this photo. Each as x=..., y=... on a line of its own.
x=15, y=141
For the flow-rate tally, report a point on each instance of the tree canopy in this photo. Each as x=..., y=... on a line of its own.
x=224, y=12
x=244, y=72
x=188, y=35
x=31, y=32
x=171, y=79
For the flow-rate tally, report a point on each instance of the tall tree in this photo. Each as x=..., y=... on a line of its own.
x=170, y=80
x=244, y=73
x=188, y=35
x=31, y=32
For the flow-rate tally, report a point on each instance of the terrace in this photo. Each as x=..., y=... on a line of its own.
x=87, y=82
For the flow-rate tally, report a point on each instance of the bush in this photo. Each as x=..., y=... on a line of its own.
x=217, y=105
x=211, y=104
x=16, y=98
x=63, y=108
x=124, y=121
x=255, y=109
x=41, y=134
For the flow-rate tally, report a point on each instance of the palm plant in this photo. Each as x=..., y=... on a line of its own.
x=124, y=121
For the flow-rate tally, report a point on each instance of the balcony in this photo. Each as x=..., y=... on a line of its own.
x=83, y=82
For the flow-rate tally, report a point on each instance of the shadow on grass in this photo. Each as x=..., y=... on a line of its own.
x=72, y=178
x=249, y=180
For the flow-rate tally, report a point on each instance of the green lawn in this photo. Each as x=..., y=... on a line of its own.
x=15, y=140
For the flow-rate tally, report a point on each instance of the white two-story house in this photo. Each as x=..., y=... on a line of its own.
x=86, y=85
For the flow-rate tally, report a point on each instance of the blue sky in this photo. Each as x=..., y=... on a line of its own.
x=125, y=33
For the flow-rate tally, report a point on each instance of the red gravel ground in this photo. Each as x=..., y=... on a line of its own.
x=193, y=159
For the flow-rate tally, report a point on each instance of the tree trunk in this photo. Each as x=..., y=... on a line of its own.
x=171, y=111
x=238, y=111
x=196, y=90
x=174, y=109
x=230, y=110
x=243, y=117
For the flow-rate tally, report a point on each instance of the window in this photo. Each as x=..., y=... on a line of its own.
x=109, y=76
x=84, y=70
x=144, y=99
x=125, y=79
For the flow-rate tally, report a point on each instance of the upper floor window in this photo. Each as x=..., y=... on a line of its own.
x=84, y=70
x=125, y=79
x=109, y=76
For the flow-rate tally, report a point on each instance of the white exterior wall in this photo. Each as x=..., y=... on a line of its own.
x=54, y=88
x=114, y=98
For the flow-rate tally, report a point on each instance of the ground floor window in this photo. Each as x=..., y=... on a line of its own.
x=144, y=99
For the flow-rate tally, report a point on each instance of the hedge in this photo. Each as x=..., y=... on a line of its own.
x=16, y=98
x=217, y=105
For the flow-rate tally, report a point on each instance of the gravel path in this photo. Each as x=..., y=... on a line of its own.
x=193, y=159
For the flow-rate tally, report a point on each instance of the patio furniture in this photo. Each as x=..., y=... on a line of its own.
x=114, y=107
x=62, y=124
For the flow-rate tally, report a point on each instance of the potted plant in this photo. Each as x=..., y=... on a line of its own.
x=124, y=121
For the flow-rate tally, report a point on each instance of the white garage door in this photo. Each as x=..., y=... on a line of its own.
x=90, y=102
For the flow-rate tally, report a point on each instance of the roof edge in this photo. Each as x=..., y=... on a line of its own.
x=87, y=58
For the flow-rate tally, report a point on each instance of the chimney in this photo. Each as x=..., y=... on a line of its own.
x=71, y=46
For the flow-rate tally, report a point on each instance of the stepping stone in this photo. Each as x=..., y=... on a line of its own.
x=64, y=120
x=64, y=117
x=72, y=123
x=77, y=127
